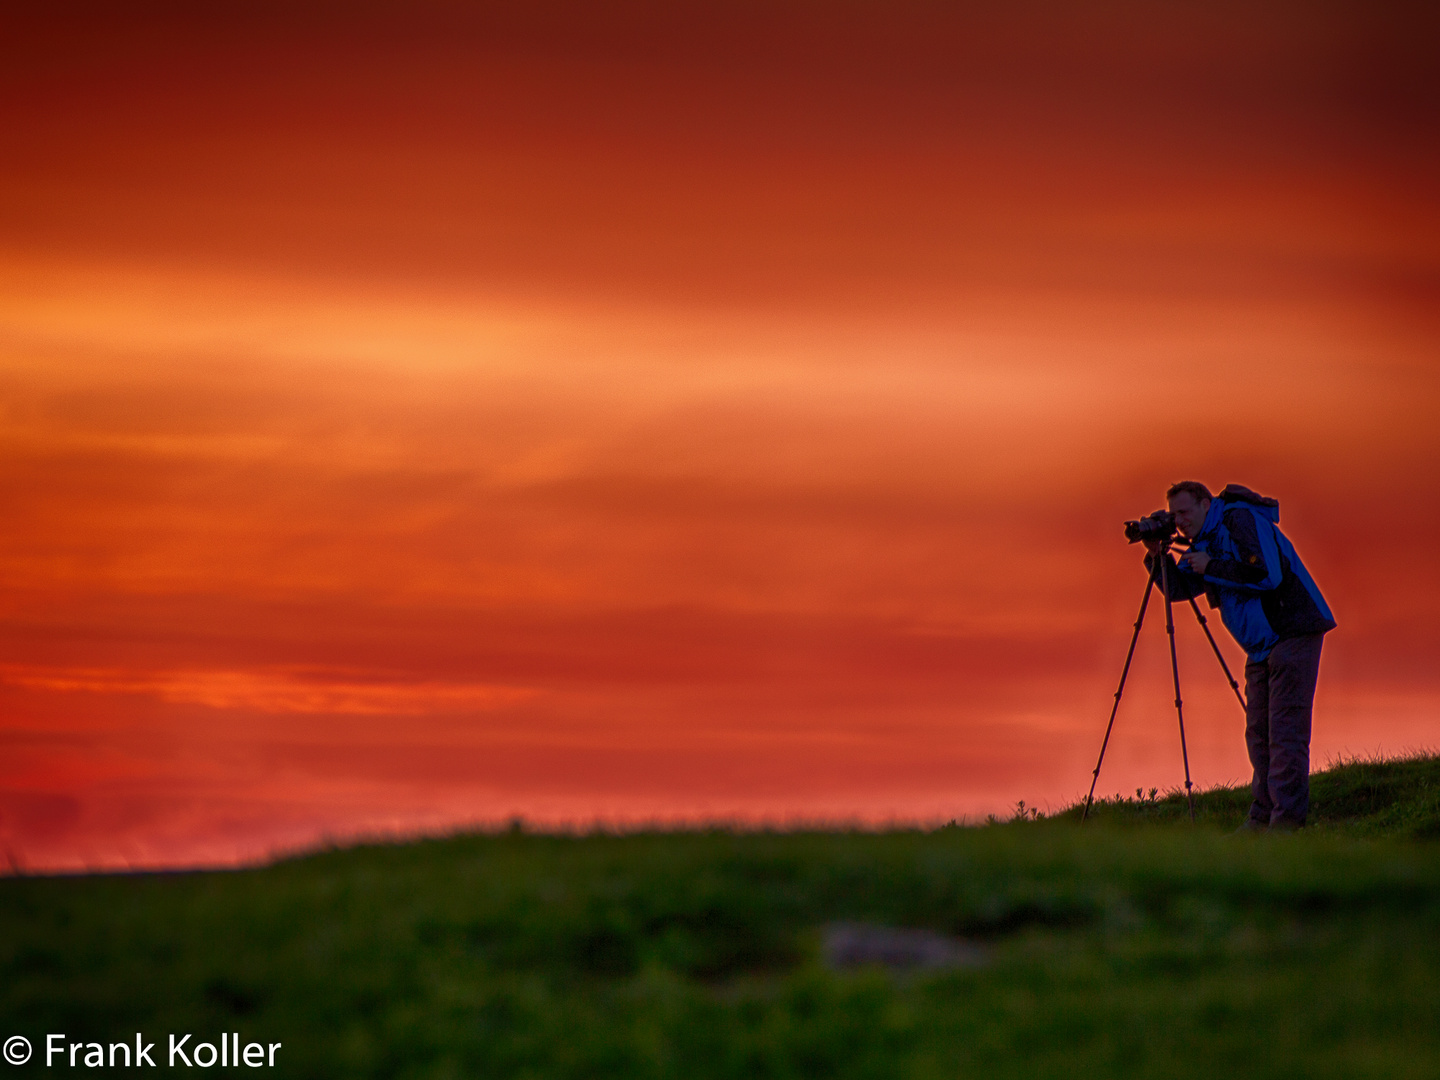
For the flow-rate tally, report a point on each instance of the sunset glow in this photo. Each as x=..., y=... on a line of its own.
x=420, y=416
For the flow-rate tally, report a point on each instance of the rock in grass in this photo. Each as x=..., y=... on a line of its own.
x=849, y=945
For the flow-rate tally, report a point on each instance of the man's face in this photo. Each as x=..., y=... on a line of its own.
x=1189, y=514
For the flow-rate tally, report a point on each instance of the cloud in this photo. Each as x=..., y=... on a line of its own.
x=277, y=690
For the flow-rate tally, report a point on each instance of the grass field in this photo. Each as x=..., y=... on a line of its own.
x=1134, y=946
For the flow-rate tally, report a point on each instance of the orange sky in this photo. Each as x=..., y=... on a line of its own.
x=418, y=415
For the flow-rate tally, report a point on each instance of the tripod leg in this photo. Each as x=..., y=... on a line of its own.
x=1175, y=673
x=1124, y=674
x=1223, y=666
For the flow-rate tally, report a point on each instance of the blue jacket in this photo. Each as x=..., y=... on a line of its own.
x=1254, y=577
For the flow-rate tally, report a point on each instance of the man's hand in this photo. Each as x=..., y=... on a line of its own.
x=1195, y=562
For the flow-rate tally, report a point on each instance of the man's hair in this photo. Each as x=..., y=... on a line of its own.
x=1198, y=491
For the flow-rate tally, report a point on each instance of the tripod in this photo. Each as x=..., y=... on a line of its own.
x=1160, y=574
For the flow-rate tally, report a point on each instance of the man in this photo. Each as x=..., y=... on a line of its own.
x=1245, y=566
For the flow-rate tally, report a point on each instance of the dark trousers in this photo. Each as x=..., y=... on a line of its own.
x=1279, y=695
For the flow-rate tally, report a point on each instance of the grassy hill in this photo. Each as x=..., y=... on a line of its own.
x=1397, y=798
x=1136, y=945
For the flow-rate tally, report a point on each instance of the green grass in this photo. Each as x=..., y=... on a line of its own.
x=1377, y=797
x=1134, y=946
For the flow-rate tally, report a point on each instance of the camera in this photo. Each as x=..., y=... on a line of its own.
x=1159, y=527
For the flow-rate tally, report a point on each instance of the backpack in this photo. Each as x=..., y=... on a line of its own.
x=1240, y=493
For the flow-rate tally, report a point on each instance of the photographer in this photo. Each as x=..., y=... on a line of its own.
x=1246, y=567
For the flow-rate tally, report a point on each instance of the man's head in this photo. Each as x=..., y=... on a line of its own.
x=1189, y=502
